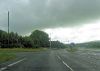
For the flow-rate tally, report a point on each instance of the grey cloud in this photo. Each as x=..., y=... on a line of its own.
x=27, y=15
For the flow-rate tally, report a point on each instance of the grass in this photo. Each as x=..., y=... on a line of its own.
x=22, y=49
x=72, y=49
x=7, y=54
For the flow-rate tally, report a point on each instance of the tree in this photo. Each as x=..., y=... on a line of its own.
x=57, y=44
x=40, y=38
x=27, y=42
x=36, y=39
x=3, y=38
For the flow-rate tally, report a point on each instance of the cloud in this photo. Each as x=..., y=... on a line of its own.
x=79, y=34
x=28, y=15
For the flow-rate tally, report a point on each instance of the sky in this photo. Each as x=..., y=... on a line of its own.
x=64, y=20
x=76, y=34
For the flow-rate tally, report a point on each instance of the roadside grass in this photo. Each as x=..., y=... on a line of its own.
x=72, y=50
x=21, y=49
x=7, y=54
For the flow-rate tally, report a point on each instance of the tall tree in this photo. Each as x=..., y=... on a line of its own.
x=40, y=38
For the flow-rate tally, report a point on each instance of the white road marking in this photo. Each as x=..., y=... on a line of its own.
x=4, y=68
x=68, y=66
x=65, y=64
x=16, y=62
x=59, y=57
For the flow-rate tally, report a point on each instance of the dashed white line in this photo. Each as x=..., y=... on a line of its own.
x=59, y=57
x=65, y=64
x=4, y=68
x=68, y=66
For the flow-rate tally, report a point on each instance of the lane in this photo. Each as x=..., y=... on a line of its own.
x=55, y=63
x=39, y=61
x=65, y=63
x=56, y=60
x=80, y=62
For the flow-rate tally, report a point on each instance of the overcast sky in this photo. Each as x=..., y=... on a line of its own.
x=74, y=20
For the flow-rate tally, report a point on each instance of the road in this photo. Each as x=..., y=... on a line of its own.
x=54, y=60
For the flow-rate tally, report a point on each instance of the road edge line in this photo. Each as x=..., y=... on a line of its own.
x=14, y=63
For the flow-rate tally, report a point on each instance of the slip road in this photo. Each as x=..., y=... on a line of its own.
x=54, y=60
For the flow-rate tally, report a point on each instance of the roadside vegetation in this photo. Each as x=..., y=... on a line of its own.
x=5, y=56
x=72, y=48
x=91, y=44
x=36, y=41
x=13, y=50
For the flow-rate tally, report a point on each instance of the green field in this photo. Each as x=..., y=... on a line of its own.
x=10, y=54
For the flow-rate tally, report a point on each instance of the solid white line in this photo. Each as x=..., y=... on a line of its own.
x=16, y=62
x=67, y=66
x=4, y=68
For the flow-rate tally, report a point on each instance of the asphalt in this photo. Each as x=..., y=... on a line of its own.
x=54, y=60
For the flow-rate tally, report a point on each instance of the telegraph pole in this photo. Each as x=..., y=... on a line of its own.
x=50, y=41
x=8, y=28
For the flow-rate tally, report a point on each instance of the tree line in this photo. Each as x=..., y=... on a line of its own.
x=57, y=44
x=36, y=39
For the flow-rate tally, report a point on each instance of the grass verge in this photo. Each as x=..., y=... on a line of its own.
x=22, y=49
x=6, y=56
x=72, y=50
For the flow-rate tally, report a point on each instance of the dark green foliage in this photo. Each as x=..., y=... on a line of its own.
x=40, y=39
x=27, y=42
x=57, y=44
x=3, y=38
x=36, y=39
x=14, y=40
